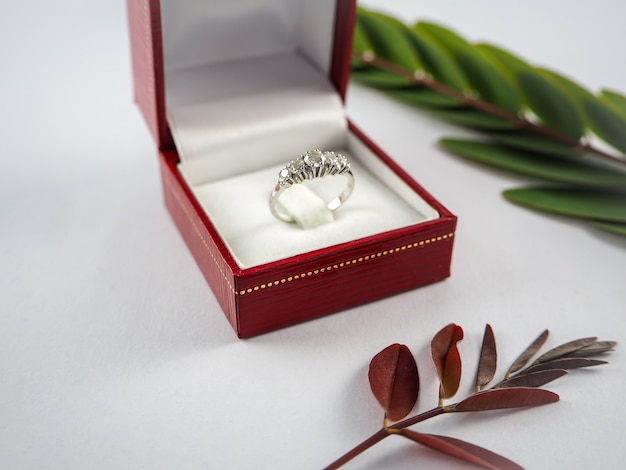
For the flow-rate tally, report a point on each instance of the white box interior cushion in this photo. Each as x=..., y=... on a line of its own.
x=238, y=207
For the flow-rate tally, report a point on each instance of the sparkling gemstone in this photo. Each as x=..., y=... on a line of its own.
x=314, y=158
x=296, y=166
x=340, y=161
x=283, y=176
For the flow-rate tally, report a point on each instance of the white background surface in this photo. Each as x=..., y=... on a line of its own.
x=115, y=354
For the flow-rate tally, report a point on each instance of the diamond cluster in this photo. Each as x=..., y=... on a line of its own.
x=313, y=164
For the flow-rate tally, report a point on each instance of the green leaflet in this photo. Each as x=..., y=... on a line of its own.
x=423, y=98
x=403, y=89
x=553, y=106
x=573, y=89
x=473, y=118
x=436, y=60
x=614, y=99
x=489, y=82
x=527, y=140
x=448, y=39
x=576, y=202
x=481, y=71
x=360, y=45
x=619, y=229
x=509, y=63
x=603, y=119
x=576, y=92
x=379, y=78
x=606, y=122
x=388, y=39
x=552, y=168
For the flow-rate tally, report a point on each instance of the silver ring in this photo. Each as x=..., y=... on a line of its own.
x=310, y=165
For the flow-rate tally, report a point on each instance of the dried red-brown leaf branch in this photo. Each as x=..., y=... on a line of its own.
x=462, y=450
x=394, y=380
x=447, y=359
x=529, y=352
x=488, y=359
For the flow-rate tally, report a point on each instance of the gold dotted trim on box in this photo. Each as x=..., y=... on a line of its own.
x=344, y=264
x=306, y=274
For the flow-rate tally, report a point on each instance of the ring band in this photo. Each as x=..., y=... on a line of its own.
x=312, y=164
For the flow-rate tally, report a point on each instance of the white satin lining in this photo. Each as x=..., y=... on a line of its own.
x=238, y=208
x=200, y=32
x=243, y=116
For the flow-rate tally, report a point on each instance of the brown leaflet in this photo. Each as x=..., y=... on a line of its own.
x=447, y=359
x=599, y=347
x=394, y=380
x=565, y=363
x=533, y=379
x=502, y=398
x=528, y=353
x=452, y=373
x=462, y=450
x=488, y=359
x=566, y=348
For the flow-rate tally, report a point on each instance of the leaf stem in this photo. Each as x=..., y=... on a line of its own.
x=517, y=120
x=383, y=433
x=405, y=423
x=362, y=447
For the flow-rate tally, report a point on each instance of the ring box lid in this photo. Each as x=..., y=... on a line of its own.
x=320, y=31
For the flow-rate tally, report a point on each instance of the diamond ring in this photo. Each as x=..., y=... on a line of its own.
x=312, y=164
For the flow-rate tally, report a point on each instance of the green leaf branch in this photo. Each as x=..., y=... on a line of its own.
x=394, y=381
x=537, y=122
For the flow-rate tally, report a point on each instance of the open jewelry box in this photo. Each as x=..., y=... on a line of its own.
x=232, y=91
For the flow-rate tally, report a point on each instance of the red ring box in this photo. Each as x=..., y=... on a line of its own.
x=231, y=91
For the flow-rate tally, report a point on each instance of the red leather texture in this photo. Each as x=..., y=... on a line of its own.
x=144, y=18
